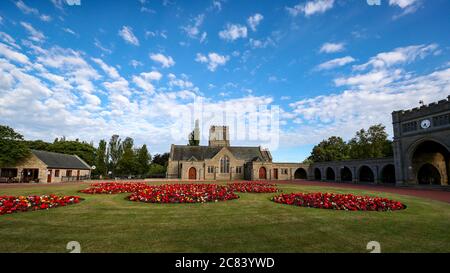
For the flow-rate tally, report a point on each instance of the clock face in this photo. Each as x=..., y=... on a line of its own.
x=425, y=124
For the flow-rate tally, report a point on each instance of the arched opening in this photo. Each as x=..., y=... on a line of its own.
x=388, y=174
x=192, y=173
x=330, y=174
x=429, y=175
x=262, y=173
x=317, y=174
x=346, y=175
x=430, y=163
x=366, y=175
x=300, y=173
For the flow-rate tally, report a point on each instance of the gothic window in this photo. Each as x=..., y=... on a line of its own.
x=225, y=164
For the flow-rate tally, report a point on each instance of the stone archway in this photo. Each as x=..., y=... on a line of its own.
x=192, y=173
x=366, y=174
x=388, y=174
x=300, y=173
x=429, y=175
x=262, y=173
x=330, y=175
x=346, y=175
x=430, y=163
x=317, y=174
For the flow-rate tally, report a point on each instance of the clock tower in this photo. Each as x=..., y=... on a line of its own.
x=422, y=144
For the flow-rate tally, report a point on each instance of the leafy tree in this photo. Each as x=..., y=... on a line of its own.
x=82, y=149
x=372, y=143
x=156, y=169
x=332, y=149
x=143, y=160
x=192, y=140
x=12, y=147
x=101, y=160
x=127, y=163
x=161, y=159
x=38, y=145
x=114, y=152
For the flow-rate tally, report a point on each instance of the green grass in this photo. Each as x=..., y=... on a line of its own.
x=252, y=223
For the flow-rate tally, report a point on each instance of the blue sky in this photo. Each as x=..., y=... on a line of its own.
x=90, y=69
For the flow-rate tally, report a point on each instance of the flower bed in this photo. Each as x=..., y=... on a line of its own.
x=183, y=193
x=11, y=204
x=255, y=187
x=114, y=187
x=338, y=201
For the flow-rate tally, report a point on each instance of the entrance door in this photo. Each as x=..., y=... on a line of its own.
x=49, y=176
x=192, y=173
x=275, y=173
x=78, y=175
x=262, y=173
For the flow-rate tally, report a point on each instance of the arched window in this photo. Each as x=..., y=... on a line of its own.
x=225, y=164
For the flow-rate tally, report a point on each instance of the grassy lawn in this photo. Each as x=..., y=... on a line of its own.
x=109, y=223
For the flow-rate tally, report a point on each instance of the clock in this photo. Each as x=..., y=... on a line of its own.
x=425, y=124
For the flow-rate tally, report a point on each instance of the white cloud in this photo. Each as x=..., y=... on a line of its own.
x=181, y=83
x=255, y=43
x=399, y=55
x=402, y=3
x=335, y=63
x=29, y=10
x=70, y=31
x=127, y=34
x=99, y=45
x=165, y=61
x=144, y=80
x=12, y=55
x=136, y=63
x=213, y=60
x=233, y=32
x=332, y=47
x=35, y=35
x=253, y=21
x=193, y=30
x=6, y=38
x=111, y=71
x=311, y=7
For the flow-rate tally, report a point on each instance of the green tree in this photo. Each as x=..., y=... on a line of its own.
x=38, y=145
x=82, y=149
x=156, y=169
x=12, y=147
x=161, y=159
x=101, y=161
x=114, y=152
x=373, y=143
x=331, y=149
x=192, y=140
x=143, y=160
x=127, y=164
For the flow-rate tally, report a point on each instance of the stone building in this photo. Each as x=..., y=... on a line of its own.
x=421, y=156
x=220, y=161
x=47, y=167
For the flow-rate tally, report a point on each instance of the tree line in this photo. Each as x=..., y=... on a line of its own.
x=111, y=159
x=370, y=143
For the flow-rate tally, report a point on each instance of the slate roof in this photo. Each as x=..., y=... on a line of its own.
x=185, y=152
x=61, y=161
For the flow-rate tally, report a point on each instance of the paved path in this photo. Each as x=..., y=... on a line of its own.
x=434, y=194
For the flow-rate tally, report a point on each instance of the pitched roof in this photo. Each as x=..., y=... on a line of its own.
x=185, y=152
x=63, y=161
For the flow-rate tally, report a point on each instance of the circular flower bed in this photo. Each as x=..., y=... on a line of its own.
x=114, y=187
x=338, y=201
x=11, y=204
x=183, y=193
x=256, y=187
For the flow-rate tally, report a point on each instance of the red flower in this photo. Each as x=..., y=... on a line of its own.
x=338, y=201
x=10, y=204
x=256, y=187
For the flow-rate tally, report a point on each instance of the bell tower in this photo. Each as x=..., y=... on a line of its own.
x=219, y=136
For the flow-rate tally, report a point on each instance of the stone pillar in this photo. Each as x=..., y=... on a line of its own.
x=355, y=175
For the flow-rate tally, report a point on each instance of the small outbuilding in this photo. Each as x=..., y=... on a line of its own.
x=46, y=167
